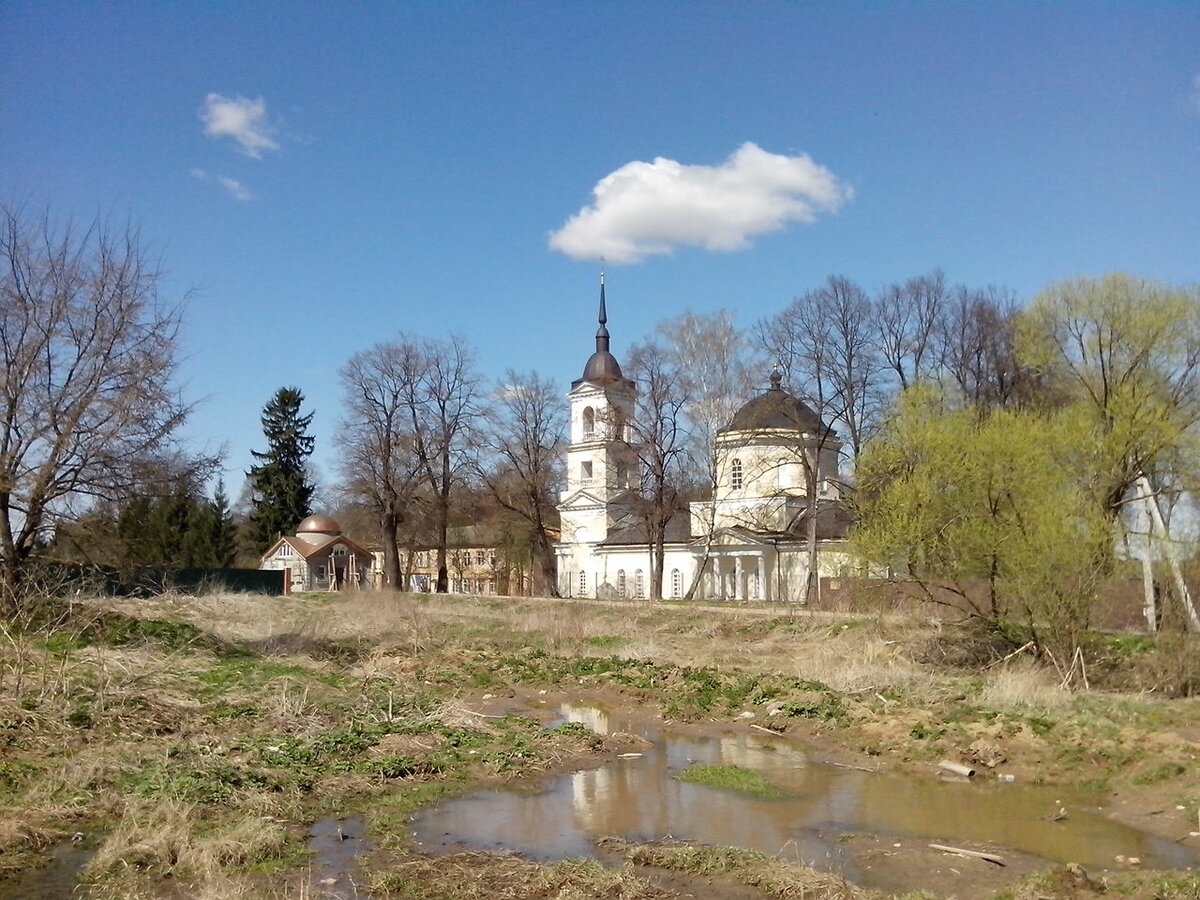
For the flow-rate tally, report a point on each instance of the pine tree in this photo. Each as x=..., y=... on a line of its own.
x=279, y=483
x=212, y=539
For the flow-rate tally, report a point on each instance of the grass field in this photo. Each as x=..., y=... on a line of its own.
x=188, y=743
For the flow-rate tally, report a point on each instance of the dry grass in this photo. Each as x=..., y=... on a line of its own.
x=859, y=659
x=162, y=838
x=772, y=876
x=1022, y=683
x=494, y=876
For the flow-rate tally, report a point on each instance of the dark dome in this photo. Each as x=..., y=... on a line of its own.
x=318, y=525
x=602, y=366
x=776, y=408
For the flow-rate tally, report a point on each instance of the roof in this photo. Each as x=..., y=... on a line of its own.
x=775, y=408
x=633, y=531
x=308, y=549
x=318, y=525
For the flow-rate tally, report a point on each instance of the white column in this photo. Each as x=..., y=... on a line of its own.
x=739, y=585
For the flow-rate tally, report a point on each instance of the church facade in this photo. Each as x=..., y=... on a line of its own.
x=774, y=517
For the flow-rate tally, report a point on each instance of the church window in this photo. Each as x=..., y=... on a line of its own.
x=676, y=583
x=585, y=471
x=735, y=475
x=784, y=480
x=589, y=420
x=285, y=550
x=621, y=586
x=638, y=585
x=583, y=584
x=339, y=551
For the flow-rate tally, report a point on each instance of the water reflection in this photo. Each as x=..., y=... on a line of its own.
x=640, y=800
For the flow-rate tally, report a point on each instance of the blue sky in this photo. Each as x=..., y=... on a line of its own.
x=324, y=175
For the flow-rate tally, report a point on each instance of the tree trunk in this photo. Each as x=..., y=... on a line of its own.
x=389, y=527
x=812, y=580
x=10, y=564
x=544, y=563
x=1160, y=529
x=442, y=586
x=657, y=563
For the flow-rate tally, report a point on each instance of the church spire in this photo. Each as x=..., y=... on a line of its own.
x=602, y=367
x=602, y=331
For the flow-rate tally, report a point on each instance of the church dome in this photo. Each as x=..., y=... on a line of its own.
x=776, y=408
x=602, y=367
x=319, y=525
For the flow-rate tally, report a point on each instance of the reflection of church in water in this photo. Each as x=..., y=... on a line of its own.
x=748, y=538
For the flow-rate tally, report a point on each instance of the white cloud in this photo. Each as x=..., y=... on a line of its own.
x=236, y=189
x=643, y=209
x=242, y=119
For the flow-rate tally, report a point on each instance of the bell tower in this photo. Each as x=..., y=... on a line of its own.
x=600, y=462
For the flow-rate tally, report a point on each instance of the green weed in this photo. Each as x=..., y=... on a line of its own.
x=1162, y=772
x=732, y=778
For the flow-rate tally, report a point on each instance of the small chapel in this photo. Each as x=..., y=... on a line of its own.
x=776, y=514
x=319, y=558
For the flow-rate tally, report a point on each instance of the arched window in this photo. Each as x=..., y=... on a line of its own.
x=583, y=584
x=676, y=583
x=589, y=420
x=639, y=588
x=621, y=587
x=735, y=474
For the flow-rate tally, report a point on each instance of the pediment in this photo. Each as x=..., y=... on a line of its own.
x=581, y=499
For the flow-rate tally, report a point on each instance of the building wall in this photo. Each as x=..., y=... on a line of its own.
x=622, y=572
x=476, y=570
x=287, y=558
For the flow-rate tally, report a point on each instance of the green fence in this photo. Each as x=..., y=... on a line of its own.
x=76, y=579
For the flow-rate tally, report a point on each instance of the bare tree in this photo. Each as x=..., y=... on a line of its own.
x=825, y=343
x=441, y=388
x=524, y=440
x=658, y=438
x=907, y=318
x=380, y=467
x=89, y=355
x=715, y=366
x=977, y=348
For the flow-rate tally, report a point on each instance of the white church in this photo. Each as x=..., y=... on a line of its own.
x=749, y=542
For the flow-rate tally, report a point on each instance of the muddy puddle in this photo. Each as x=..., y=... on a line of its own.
x=336, y=843
x=57, y=879
x=639, y=799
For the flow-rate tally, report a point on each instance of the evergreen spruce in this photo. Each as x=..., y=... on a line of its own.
x=213, y=535
x=279, y=483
